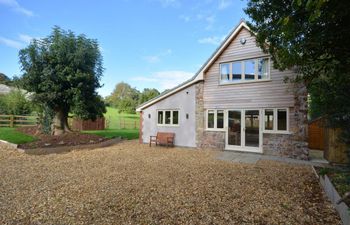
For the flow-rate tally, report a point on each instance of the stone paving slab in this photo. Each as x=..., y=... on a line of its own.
x=253, y=158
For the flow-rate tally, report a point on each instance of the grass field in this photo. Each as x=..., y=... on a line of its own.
x=13, y=136
x=115, y=119
x=119, y=125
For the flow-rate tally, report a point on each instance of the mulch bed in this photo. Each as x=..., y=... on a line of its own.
x=131, y=183
x=49, y=141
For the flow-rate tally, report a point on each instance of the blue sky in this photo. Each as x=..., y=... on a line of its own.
x=146, y=43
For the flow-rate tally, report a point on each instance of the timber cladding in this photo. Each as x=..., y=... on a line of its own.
x=79, y=124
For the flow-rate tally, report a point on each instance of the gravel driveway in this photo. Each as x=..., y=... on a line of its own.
x=134, y=184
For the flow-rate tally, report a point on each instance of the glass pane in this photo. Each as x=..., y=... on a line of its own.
x=263, y=68
x=225, y=72
x=249, y=69
x=175, y=117
x=167, y=117
x=234, y=127
x=220, y=119
x=160, y=117
x=268, y=119
x=252, y=128
x=236, y=71
x=210, y=118
x=281, y=119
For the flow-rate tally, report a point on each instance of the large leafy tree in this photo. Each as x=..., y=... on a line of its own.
x=63, y=71
x=147, y=94
x=124, y=97
x=311, y=36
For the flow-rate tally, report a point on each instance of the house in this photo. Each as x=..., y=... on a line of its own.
x=236, y=101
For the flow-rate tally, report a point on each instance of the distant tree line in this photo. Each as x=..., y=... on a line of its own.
x=5, y=79
x=126, y=98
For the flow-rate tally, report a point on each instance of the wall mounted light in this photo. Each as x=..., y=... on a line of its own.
x=243, y=41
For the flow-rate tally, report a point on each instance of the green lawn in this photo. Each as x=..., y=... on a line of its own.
x=116, y=119
x=13, y=136
x=116, y=123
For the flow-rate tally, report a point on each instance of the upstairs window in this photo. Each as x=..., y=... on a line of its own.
x=236, y=72
x=244, y=70
x=249, y=69
x=225, y=72
x=168, y=117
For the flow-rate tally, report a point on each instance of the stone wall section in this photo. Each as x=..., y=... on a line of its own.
x=292, y=145
x=199, y=113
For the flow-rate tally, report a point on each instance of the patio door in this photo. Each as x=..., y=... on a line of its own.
x=244, y=130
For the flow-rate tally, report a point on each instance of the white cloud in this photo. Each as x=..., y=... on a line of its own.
x=215, y=40
x=25, y=38
x=13, y=4
x=157, y=57
x=165, y=79
x=18, y=43
x=11, y=43
x=223, y=4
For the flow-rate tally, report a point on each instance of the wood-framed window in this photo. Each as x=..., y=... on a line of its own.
x=168, y=117
x=276, y=120
x=246, y=70
x=215, y=119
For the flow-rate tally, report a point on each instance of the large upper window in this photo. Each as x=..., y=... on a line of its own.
x=168, y=117
x=215, y=119
x=244, y=70
x=225, y=72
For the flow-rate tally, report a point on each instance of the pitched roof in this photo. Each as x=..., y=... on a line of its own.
x=200, y=73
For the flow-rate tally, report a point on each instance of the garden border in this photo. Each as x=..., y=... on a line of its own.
x=64, y=149
x=332, y=194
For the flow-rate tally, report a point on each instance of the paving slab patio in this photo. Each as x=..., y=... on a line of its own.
x=253, y=158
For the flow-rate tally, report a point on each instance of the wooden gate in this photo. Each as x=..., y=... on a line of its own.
x=316, y=134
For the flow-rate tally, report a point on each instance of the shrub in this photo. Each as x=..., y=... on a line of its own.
x=15, y=103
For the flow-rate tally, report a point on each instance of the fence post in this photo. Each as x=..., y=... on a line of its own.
x=11, y=120
x=135, y=124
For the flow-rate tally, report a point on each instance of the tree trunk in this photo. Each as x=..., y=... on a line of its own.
x=60, y=122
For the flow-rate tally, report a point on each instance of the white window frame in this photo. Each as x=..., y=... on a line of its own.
x=163, y=124
x=243, y=80
x=275, y=121
x=215, y=120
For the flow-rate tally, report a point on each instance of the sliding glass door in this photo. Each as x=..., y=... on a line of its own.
x=252, y=120
x=234, y=128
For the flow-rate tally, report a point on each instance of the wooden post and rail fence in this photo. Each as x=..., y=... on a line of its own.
x=18, y=121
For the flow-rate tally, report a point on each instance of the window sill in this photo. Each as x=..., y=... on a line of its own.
x=168, y=125
x=243, y=82
x=215, y=129
x=276, y=132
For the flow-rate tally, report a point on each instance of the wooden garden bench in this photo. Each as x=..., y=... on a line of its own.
x=162, y=138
